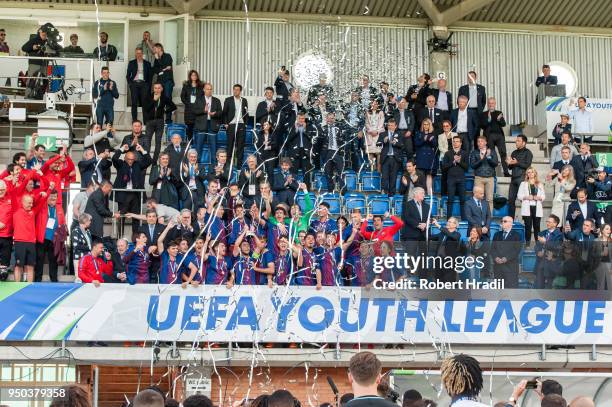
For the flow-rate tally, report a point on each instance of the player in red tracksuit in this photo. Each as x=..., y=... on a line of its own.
x=18, y=186
x=56, y=169
x=24, y=236
x=380, y=234
x=93, y=267
x=6, y=230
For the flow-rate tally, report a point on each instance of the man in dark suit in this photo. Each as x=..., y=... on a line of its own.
x=291, y=110
x=455, y=163
x=332, y=146
x=130, y=175
x=97, y=207
x=545, y=79
x=444, y=98
x=285, y=183
x=415, y=215
x=183, y=230
x=465, y=122
x=492, y=122
x=405, y=123
x=135, y=138
x=580, y=210
x=94, y=168
x=505, y=251
x=299, y=147
x=587, y=162
x=266, y=109
x=432, y=113
x=209, y=116
x=417, y=93
x=475, y=92
x=518, y=162
x=176, y=154
x=158, y=107
x=390, y=157
x=235, y=115
x=567, y=159
x=477, y=212
x=283, y=87
x=411, y=179
x=152, y=229
x=139, y=77
x=547, y=249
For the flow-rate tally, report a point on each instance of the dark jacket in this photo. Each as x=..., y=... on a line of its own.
x=410, y=121
x=420, y=182
x=577, y=221
x=484, y=167
x=438, y=115
x=426, y=151
x=293, y=140
x=137, y=173
x=158, y=109
x=158, y=229
x=164, y=187
x=132, y=71
x=476, y=216
x=28, y=48
x=323, y=141
x=158, y=68
x=201, y=118
x=473, y=125
x=88, y=167
x=393, y=143
x=481, y=95
x=455, y=170
x=263, y=115
x=107, y=93
x=282, y=92
x=107, y=53
x=176, y=159
x=229, y=110
x=421, y=96
x=189, y=93
x=491, y=123
x=411, y=218
x=524, y=157
x=97, y=207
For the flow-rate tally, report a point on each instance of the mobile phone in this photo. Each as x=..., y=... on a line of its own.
x=532, y=384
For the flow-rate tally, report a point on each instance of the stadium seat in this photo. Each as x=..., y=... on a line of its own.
x=350, y=180
x=249, y=137
x=434, y=230
x=520, y=228
x=300, y=200
x=370, y=181
x=205, y=156
x=354, y=201
x=456, y=208
x=493, y=229
x=174, y=128
x=320, y=181
x=378, y=204
x=434, y=202
x=222, y=139
x=299, y=176
x=398, y=181
x=234, y=177
x=397, y=201
x=501, y=212
x=463, y=229
x=335, y=202
x=396, y=236
x=437, y=184
x=469, y=183
x=528, y=261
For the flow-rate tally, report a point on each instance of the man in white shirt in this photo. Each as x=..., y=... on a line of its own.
x=582, y=122
x=235, y=112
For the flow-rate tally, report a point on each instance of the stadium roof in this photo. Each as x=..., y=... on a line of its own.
x=563, y=13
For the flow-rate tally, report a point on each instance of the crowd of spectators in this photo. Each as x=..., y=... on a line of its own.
x=209, y=211
x=461, y=376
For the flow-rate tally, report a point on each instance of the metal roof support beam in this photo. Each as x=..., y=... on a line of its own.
x=453, y=14
x=188, y=6
x=457, y=12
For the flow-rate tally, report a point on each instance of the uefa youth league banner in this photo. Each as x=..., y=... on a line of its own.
x=601, y=113
x=117, y=312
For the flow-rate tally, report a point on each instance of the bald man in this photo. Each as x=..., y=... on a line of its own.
x=582, y=401
x=505, y=253
x=148, y=398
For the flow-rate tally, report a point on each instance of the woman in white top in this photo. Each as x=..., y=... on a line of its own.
x=531, y=195
x=564, y=184
x=374, y=125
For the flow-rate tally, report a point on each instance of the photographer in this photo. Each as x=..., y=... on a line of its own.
x=599, y=185
x=38, y=45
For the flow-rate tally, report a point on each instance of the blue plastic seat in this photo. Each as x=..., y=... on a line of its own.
x=493, y=229
x=234, y=177
x=249, y=137
x=205, y=156
x=469, y=183
x=501, y=212
x=434, y=230
x=437, y=184
x=320, y=181
x=179, y=129
x=528, y=261
x=350, y=180
x=398, y=181
x=370, y=181
x=397, y=203
x=520, y=228
x=335, y=202
x=301, y=201
x=378, y=204
x=463, y=229
x=354, y=201
x=434, y=203
x=456, y=208
x=222, y=139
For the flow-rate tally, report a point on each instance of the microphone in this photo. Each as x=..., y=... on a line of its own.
x=332, y=385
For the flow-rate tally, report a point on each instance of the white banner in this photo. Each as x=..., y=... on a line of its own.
x=116, y=312
x=601, y=113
